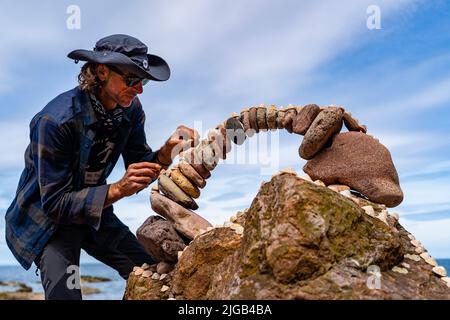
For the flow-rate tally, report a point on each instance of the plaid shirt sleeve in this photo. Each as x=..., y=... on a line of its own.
x=53, y=158
x=137, y=149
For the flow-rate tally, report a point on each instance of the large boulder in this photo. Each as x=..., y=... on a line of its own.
x=360, y=162
x=305, y=241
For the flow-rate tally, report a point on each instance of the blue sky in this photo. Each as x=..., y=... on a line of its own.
x=226, y=55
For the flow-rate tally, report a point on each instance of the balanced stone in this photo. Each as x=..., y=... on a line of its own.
x=235, y=130
x=291, y=113
x=261, y=118
x=327, y=123
x=280, y=118
x=172, y=191
x=351, y=124
x=305, y=118
x=209, y=159
x=253, y=119
x=184, y=183
x=245, y=119
x=271, y=117
x=159, y=238
x=358, y=161
x=440, y=271
x=192, y=174
x=191, y=157
x=186, y=222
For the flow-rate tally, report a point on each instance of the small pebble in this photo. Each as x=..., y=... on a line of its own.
x=416, y=243
x=440, y=271
x=135, y=268
x=239, y=230
x=431, y=262
x=425, y=255
x=180, y=253
x=338, y=187
x=147, y=274
x=233, y=218
x=369, y=210
x=413, y=257
x=410, y=236
x=400, y=270
x=346, y=193
x=164, y=288
x=145, y=266
x=138, y=271
x=406, y=265
x=419, y=250
x=320, y=183
x=163, y=276
x=155, y=276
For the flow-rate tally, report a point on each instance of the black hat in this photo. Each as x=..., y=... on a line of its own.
x=127, y=53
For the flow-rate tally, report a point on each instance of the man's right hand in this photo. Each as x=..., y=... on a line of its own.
x=138, y=177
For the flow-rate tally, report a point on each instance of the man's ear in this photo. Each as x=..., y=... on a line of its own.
x=102, y=72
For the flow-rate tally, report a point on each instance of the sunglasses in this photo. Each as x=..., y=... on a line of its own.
x=130, y=80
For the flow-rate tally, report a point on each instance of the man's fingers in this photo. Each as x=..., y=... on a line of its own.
x=141, y=180
x=148, y=165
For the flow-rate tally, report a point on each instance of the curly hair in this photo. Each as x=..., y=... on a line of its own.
x=87, y=78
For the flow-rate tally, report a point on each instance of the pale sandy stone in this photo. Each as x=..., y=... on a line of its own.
x=135, y=268
x=413, y=257
x=233, y=218
x=369, y=210
x=138, y=271
x=400, y=270
x=440, y=271
x=419, y=250
x=145, y=266
x=425, y=255
x=147, y=274
x=410, y=236
x=406, y=265
x=431, y=262
x=320, y=183
x=155, y=276
x=346, y=193
x=163, y=276
x=179, y=253
x=383, y=217
x=239, y=230
x=446, y=280
x=338, y=187
x=155, y=187
x=416, y=243
x=164, y=288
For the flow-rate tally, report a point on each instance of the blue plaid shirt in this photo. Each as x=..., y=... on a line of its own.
x=51, y=190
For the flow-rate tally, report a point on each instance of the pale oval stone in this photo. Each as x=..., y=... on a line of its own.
x=419, y=250
x=369, y=210
x=135, y=268
x=346, y=193
x=338, y=187
x=431, y=262
x=147, y=274
x=233, y=218
x=440, y=271
x=416, y=243
x=155, y=276
x=145, y=266
x=239, y=230
x=320, y=183
x=446, y=280
x=406, y=265
x=138, y=271
x=163, y=276
x=179, y=253
x=425, y=255
x=164, y=288
x=400, y=270
x=413, y=257
x=410, y=236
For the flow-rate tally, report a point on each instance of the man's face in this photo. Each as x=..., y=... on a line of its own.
x=115, y=87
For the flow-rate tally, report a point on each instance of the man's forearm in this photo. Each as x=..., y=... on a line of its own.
x=113, y=195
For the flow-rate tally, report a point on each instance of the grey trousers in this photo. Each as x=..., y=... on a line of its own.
x=62, y=253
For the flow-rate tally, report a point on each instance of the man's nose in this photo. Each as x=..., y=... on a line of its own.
x=138, y=87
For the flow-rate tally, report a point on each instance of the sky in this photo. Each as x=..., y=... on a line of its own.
x=228, y=55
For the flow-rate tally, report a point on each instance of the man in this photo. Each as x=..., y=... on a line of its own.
x=63, y=203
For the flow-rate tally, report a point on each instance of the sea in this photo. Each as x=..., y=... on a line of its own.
x=112, y=290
